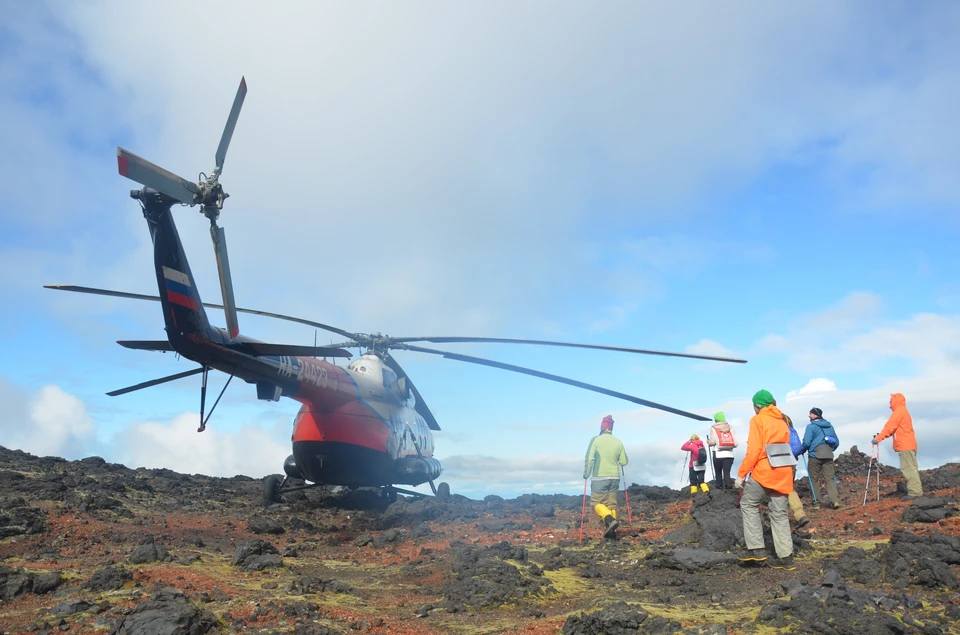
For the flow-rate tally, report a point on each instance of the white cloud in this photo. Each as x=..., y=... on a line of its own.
x=859, y=414
x=49, y=422
x=412, y=156
x=815, y=386
x=709, y=347
x=176, y=445
x=852, y=336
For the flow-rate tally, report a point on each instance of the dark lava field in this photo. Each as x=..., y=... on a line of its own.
x=93, y=547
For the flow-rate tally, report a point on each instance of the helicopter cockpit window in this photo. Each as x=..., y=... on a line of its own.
x=389, y=377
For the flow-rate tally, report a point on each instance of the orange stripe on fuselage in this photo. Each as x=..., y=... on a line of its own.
x=351, y=423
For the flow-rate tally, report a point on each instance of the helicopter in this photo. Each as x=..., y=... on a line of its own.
x=361, y=425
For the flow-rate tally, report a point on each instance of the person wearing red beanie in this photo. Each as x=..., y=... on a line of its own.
x=605, y=456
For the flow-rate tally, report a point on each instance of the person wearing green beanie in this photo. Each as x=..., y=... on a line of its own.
x=763, y=398
x=764, y=482
x=722, y=443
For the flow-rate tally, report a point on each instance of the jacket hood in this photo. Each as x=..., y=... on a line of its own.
x=897, y=401
x=822, y=423
x=722, y=426
x=773, y=411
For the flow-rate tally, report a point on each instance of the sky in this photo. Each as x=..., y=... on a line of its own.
x=772, y=181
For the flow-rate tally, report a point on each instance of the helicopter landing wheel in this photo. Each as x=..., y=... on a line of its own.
x=271, y=489
x=389, y=494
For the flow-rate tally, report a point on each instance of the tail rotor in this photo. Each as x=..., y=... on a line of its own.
x=207, y=193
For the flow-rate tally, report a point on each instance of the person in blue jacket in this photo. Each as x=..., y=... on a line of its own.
x=819, y=440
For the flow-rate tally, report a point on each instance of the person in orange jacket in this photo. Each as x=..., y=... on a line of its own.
x=900, y=427
x=761, y=482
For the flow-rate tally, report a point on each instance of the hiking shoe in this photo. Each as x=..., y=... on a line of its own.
x=782, y=563
x=611, y=531
x=834, y=505
x=753, y=555
x=802, y=522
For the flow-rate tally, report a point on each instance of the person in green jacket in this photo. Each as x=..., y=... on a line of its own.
x=605, y=456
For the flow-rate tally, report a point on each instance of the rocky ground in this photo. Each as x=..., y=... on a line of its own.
x=87, y=546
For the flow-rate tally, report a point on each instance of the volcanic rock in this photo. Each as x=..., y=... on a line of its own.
x=484, y=579
x=692, y=560
x=261, y=525
x=718, y=520
x=46, y=582
x=250, y=554
x=148, y=552
x=929, y=509
x=922, y=560
x=17, y=518
x=14, y=582
x=109, y=579
x=167, y=612
x=69, y=607
x=618, y=619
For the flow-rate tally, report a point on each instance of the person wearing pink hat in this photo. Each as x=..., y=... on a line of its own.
x=605, y=456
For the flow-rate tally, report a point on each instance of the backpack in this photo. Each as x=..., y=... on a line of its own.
x=701, y=456
x=833, y=442
x=796, y=445
x=725, y=440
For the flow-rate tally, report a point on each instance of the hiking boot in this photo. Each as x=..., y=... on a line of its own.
x=612, y=524
x=693, y=490
x=803, y=521
x=704, y=487
x=833, y=505
x=753, y=555
x=782, y=563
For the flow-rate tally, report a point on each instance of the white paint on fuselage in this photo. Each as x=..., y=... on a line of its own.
x=380, y=390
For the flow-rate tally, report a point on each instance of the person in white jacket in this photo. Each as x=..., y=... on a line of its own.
x=722, y=443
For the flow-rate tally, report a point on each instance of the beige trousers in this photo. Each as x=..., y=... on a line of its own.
x=753, y=495
x=796, y=506
x=605, y=491
x=911, y=472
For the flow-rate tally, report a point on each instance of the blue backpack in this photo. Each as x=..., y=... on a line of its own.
x=796, y=445
x=833, y=442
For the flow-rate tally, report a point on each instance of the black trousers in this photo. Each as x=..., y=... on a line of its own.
x=722, y=469
x=696, y=476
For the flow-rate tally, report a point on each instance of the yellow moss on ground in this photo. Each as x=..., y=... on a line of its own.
x=566, y=581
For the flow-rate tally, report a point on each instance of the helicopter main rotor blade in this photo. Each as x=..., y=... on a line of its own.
x=421, y=406
x=510, y=340
x=155, y=382
x=153, y=176
x=209, y=305
x=557, y=378
x=266, y=349
x=219, y=238
x=231, y=124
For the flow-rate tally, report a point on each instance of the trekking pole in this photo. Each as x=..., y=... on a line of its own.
x=583, y=510
x=813, y=490
x=626, y=496
x=713, y=468
x=878, y=472
x=866, y=489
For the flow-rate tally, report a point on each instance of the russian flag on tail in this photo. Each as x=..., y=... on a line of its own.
x=179, y=290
